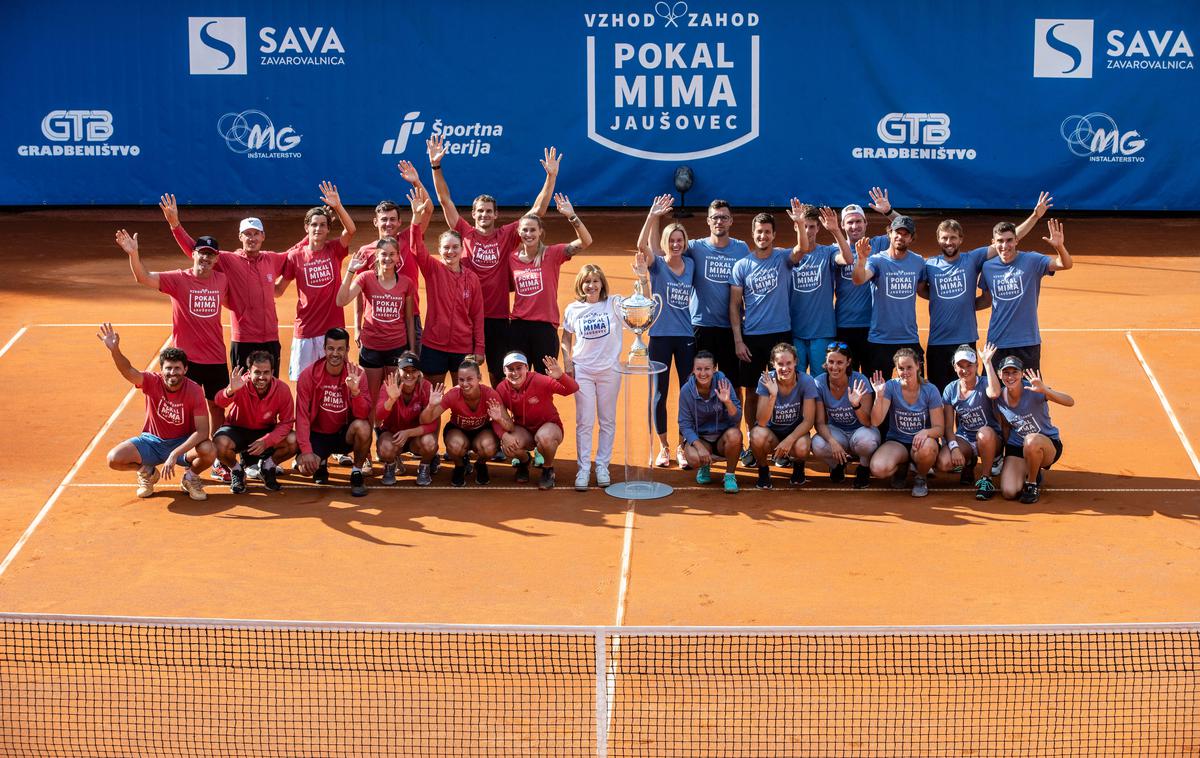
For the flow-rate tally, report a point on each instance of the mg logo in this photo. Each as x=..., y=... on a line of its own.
x=1062, y=48
x=253, y=134
x=217, y=45
x=410, y=127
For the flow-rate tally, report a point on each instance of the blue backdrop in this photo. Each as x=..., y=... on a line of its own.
x=948, y=104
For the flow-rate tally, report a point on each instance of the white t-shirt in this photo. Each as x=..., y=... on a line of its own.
x=598, y=334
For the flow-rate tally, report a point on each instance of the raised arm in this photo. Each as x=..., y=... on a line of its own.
x=112, y=341
x=421, y=216
x=435, y=148
x=583, y=237
x=434, y=410
x=1037, y=385
x=331, y=198
x=862, y=274
x=881, y=204
x=829, y=221
x=879, y=410
x=170, y=211
x=803, y=244
x=648, y=238
x=349, y=289
x=994, y=388
x=1045, y=202
x=129, y=243
x=1063, y=261
x=550, y=163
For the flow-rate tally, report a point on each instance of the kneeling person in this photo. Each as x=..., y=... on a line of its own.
x=528, y=417
x=402, y=400
x=972, y=432
x=260, y=417
x=332, y=407
x=786, y=411
x=709, y=419
x=470, y=428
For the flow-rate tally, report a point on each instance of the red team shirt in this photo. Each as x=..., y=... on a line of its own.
x=318, y=277
x=170, y=415
x=469, y=420
x=533, y=404
x=405, y=415
x=383, y=326
x=196, y=313
x=323, y=402
x=488, y=258
x=408, y=264
x=274, y=411
x=455, y=304
x=536, y=285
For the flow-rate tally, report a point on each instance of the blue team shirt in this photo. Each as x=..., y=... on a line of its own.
x=906, y=420
x=1015, y=289
x=854, y=301
x=1030, y=415
x=972, y=412
x=952, y=288
x=789, y=408
x=764, y=283
x=811, y=297
x=894, y=320
x=676, y=293
x=714, y=266
x=838, y=411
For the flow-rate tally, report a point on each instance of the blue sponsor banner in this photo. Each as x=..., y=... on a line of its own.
x=946, y=104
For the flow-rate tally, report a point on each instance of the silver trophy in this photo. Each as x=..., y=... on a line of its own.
x=638, y=313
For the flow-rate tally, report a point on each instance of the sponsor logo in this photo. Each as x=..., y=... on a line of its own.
x=679, y=296
x=333, y=399
x=300, y=46
x=718, y=268
x=900, y=286
x=253, y=134
x=923, y=136
x=675, y=84
x=808, y=275
x=1062, y=48
x=528, y=281
x=319, y=273
x=472, y=139
x=204, y=303
x=1149, y=49
x=217, y=46
x=950, y=286
x=387, y=309
x=1009, y=285
x=594, y=326
x=79, y=133
x=1097, y=138
x=170, y=411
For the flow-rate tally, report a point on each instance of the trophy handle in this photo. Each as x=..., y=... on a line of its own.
x=658, y=309
x=614, y=305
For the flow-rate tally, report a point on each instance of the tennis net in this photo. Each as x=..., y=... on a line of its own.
x=105, y=686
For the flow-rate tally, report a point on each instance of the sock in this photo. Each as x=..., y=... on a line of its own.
x=355, y=470
x=236, y=467
x=266, y=464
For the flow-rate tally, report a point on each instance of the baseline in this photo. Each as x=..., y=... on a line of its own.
x=1162, y=398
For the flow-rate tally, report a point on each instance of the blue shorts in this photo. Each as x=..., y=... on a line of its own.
x=155, y=450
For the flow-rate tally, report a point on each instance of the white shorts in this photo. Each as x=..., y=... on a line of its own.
x=972, y=445
x=305, y=352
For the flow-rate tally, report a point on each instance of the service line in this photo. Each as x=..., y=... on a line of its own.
x=1162, y=398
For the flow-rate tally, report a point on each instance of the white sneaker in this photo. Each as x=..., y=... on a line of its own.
x=366, y=467
x=254, y=471
x=603, y=478
x=997, y=465
x=345, y=460
x=581, y=478
x=193, y=487
x=146, y=482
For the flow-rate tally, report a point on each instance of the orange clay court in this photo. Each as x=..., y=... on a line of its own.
x=1115, y=537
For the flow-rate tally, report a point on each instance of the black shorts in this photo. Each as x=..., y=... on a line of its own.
x=212, y=377
x=1029, y=355
x=239, y=353
x=536, y=339
x=243, y=437
x=436, y=362
x=495, y=344
x=883, y=358
x=760, y=345
x=368, y=358
x=856, y=338
x=470, y=434
x=718, y=340
x=1019, y=452
x=325, y=445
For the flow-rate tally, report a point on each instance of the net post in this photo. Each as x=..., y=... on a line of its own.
x=601, y=660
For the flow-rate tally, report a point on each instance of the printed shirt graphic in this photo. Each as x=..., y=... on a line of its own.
x=535, y=285
x=895, y=284
x=952, y=287
x=855, y=302
x=318, y=276
x=461, y=414
x=404, y=415
x=676, y=292
x=1030, y=415
x=765, y=286
x=972, y=412
x=838, y=411
x=906, y=420
x=408, y=262
x=383, y=325
x=811, y=299
x=170, y=415
x=488, y=258
x=1016, y=288
x=714, y=266
x=196, y=313
x=598, y=334
x=789, y=409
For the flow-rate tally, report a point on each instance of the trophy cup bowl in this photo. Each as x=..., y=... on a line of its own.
x=638, y=313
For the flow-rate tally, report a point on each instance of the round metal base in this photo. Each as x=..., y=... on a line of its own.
x=639, y=490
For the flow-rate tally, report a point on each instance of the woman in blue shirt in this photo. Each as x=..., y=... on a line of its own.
x=844, y=402
x=913, y=408
x=787, y=406
x=972, y=432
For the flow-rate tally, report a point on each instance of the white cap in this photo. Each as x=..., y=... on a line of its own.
x=851, y=209
x=251, y=223
x=515, y=357
x=965, y=353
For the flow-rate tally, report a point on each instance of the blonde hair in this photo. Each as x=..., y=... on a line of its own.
x=590, y=269
x=665, y=242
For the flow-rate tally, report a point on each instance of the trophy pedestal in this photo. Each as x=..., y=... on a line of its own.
x=639, y=481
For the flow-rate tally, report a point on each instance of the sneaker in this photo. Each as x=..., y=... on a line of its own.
x=997, y=465
x=499, y=457
x=984, y=489
x=522, y=473
x=321, y=475
x=664, y=457
x=582, y=476
x=458, y=477
x=764, y=478
x=237, y=480
x=1031, y=493
x=538, y=460
x=366, y=467
x=920, y=488
x=899, y=479
x=546, y=482
x=344, y=460
x=837, y=474
x=219, y=472
x=269, y=478
x=145, y=482
x=389, y=475
x=862, y=477
x=747, y=459
x=481, y=473
x=603, y=477
x=253, y=470
x=783, y=461
x=681, y=459
x=799, y=478
x=357, y=487
x=967, y=477
x=436, y=464
x=731, y=485
x=424, y=475
x=193, y=487
x=703, y=475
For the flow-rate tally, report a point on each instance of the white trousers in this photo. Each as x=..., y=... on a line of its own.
x=597, y=396
x=862, y=443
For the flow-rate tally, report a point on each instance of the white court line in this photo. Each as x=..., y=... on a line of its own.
x=66, y=480
x=412, y=489
x=626, y=562
x=13, y=341
x=93, y=326
x=1187, y=446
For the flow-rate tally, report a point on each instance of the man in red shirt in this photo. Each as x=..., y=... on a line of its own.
x=528, y=416
x=316, y=265
x=176, y=427
x=486, y=248
x=332, y=407
x=259, y=423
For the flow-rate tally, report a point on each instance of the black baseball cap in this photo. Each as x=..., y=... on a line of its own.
x=203, y=244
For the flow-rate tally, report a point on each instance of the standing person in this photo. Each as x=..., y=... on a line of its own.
x=332, y=407
x=250, y=273
x=527, y=415
x=759, y=282
x=786, y=411
x=894, y=275
x=470, y=428
x=814, y=322
x=710, y=421
x=259, y=423
x=1014, y=280
x=844, y=429
x=914, y=408
x=175, y=431
x=535, y=267
x=591, y=345
x=401, y=404
x=672, y=338
x=315, y=264
x=486, y=248
x=855, y=302
x=972, y=432
x=1033, y=442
